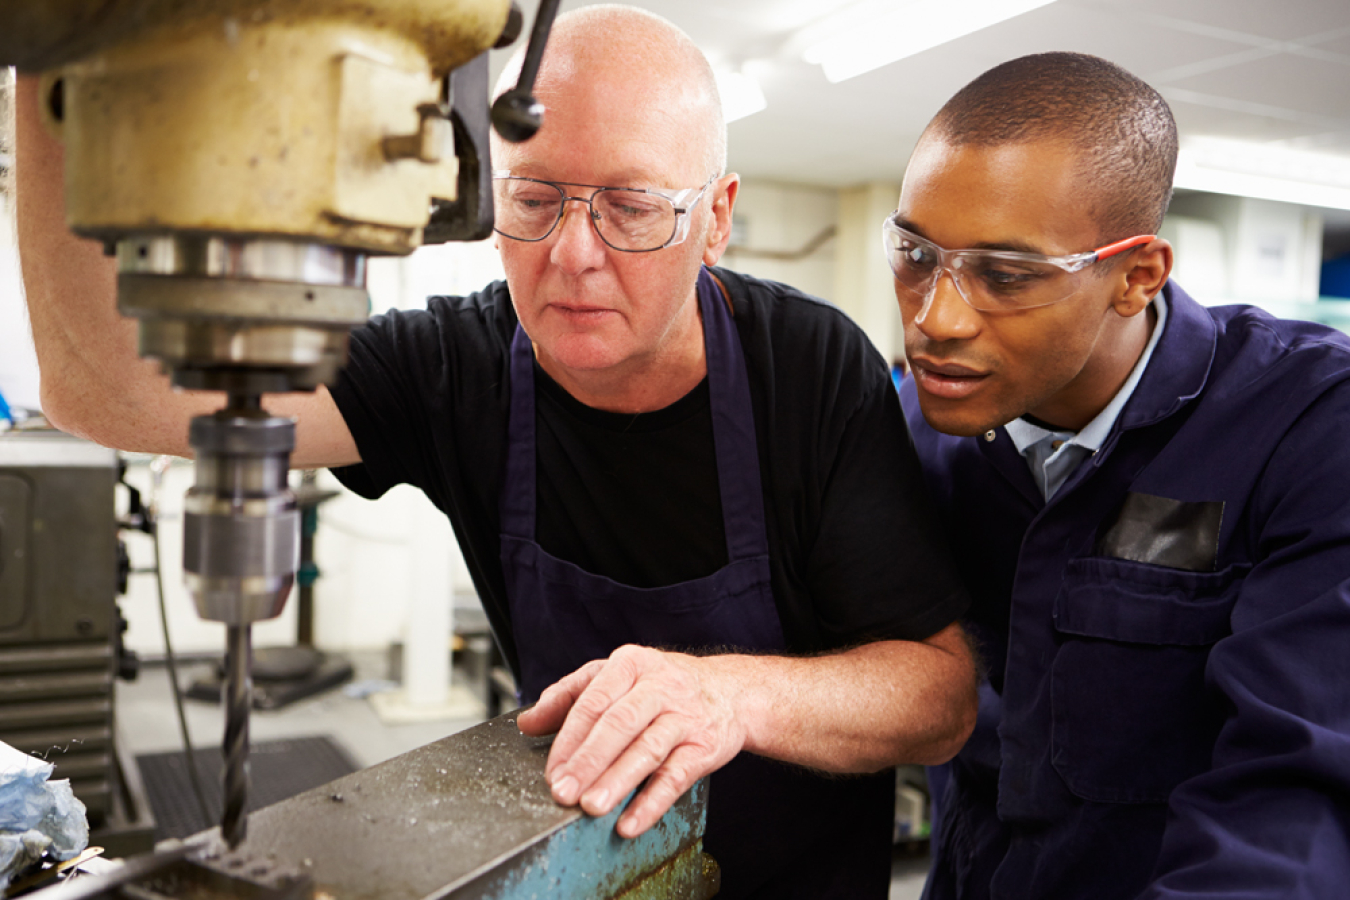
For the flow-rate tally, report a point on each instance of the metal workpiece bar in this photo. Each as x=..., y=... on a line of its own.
x=90, y=887
x=471, y=816
x=689, y=875
x=238, y=700
x=174, y=870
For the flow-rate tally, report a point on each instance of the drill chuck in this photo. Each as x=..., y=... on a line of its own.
x=241, y=523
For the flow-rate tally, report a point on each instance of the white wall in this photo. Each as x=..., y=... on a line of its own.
x=849, y=270
x=774, y=218
x=1242, y=250
x=18, y=365
x=863, y=280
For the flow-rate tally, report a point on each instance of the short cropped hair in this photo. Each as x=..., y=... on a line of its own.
x=1123, y=127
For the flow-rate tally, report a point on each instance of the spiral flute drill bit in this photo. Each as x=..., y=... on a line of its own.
x=238, y=699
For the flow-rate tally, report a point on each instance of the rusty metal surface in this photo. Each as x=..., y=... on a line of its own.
x=469, y=817
x=691, y=875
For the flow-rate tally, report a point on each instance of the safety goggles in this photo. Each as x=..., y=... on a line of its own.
x=635, y=220
x=991, y=280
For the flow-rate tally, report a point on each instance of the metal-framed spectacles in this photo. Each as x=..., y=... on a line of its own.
x=634, y=220
x=990, y=280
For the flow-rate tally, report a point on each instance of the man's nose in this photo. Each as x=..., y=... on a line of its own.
x=945, y=314
x=576, y=243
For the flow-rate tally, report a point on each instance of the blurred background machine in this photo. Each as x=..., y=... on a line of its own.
x=60, y=629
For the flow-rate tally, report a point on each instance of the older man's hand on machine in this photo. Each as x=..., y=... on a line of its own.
x=640, y=713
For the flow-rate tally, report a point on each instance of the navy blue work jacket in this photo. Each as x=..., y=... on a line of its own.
x=1167, y=707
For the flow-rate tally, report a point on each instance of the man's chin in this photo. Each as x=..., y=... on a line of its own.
x=956, y=417
x=582, y=352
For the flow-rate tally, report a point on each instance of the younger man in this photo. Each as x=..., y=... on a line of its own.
x=1147, y=498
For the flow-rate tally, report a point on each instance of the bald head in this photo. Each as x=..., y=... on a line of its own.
x=1121, y=128
x=632, y=56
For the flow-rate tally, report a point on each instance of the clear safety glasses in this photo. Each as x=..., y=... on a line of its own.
x=991, y=280
x=634, y=220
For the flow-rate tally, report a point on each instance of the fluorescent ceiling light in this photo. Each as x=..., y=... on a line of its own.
x=741, y=95
x=870, y=34
x=1264, y=171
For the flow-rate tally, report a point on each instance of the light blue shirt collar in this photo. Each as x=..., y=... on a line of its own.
x=1054, y=455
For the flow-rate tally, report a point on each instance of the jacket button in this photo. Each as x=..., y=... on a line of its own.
x=989, y=435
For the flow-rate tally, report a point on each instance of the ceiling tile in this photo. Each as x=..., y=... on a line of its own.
x=1312, y=88
x=1195, y=120
x=1339, y=45
x=1077, y=25
x=1263, y=19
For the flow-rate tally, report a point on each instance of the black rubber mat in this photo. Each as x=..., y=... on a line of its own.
x=277, y=770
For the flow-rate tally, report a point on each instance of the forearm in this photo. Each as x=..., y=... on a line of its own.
x=874, y=706
x=93, y=382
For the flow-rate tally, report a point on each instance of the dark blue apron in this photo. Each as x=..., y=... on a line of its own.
x=773, y=828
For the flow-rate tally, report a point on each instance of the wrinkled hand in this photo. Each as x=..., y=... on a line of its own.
x=642, y=711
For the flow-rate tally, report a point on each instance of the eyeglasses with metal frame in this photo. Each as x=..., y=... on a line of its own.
x=991, y=280
x=633, y=220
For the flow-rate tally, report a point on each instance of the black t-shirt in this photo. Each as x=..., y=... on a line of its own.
x=638, y=499
x=854, y=552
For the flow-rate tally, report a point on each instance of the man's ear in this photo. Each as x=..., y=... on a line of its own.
x=724, y=192
x=1146, y=271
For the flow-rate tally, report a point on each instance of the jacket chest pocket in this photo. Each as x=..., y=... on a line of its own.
x=1132, y=714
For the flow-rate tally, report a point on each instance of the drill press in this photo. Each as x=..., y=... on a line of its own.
x=242, y=159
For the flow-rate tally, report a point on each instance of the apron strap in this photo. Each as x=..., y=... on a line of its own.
x=733, y=426
x=518, y=491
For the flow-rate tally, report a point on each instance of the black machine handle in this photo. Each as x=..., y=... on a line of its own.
x=517, y=115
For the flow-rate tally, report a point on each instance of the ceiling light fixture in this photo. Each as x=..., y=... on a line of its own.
x=741, y=95
x=1264, y=171
x=868, y=35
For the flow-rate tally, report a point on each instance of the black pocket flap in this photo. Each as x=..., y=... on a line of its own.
x=1160, y=531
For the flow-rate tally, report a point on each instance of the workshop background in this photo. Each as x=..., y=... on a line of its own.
x=826, y=97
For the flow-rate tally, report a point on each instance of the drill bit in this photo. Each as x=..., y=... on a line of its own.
x=237, y=700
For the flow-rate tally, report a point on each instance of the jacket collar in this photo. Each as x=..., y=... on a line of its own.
x=1181, y=363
